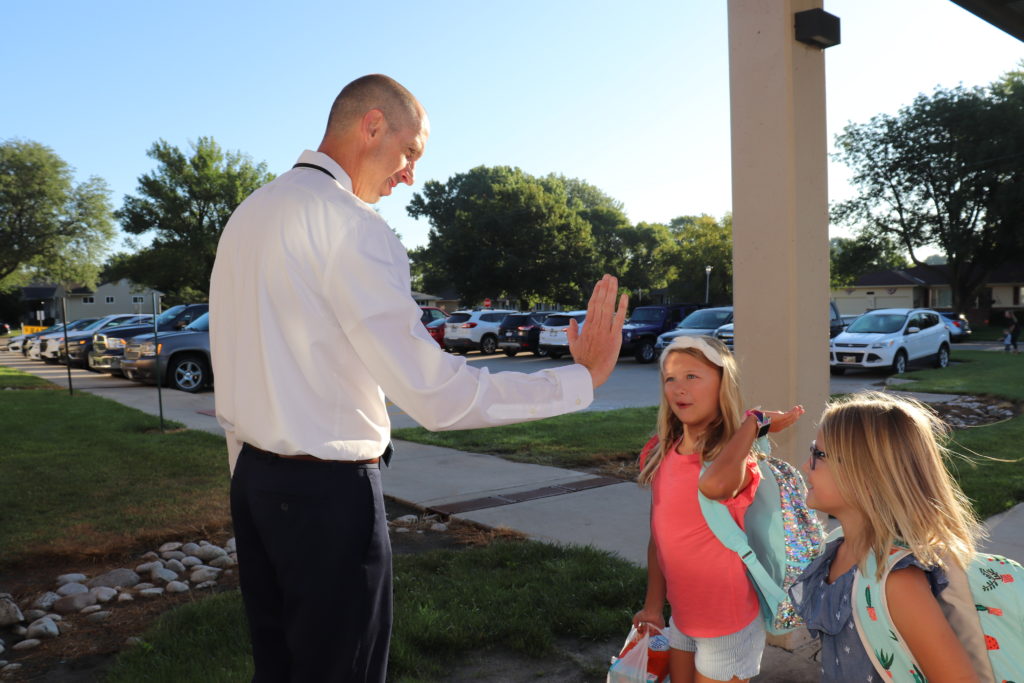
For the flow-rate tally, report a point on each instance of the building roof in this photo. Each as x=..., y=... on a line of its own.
x=1007, y=15
x=40, y=292
x=926, y=276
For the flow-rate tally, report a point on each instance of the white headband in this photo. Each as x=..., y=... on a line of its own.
x=699, y=343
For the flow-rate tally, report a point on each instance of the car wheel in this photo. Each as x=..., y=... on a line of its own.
x=554, y=354
x=837, y=371
x=540, y=353
x=942, y=358
x=899, y=363
x=488, y=345
x=645, y=352
x=188, y=373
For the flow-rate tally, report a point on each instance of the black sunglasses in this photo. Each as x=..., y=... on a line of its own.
x=816, y=454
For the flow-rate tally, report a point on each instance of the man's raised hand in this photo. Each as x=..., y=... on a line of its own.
x=597, y=347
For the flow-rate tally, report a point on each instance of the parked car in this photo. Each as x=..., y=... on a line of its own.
x=46, y=343
x=466, y=330
x=521, y=332
x=956, y=323
x=108, y=345
x=79, y=342
x=16, y=344
x=891, y=338
x=30, y=342
x=554, y=337
x=180, y=360
x=699, y=323
x=726, y=333
x=436, y=330
x=640, y=333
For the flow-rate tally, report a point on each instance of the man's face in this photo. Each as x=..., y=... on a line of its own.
x=394, y=159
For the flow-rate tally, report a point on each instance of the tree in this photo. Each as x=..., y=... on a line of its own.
x=945, y=171
x=185, y=202
x=852, y=257
x=501, y=233
x=702, y=241
x=50, y=228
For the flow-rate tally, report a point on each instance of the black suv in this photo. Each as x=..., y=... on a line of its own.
x=108, y=345
x=640, y=333
x=520, y=332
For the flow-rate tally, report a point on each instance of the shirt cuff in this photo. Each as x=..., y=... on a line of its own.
x=579, y=385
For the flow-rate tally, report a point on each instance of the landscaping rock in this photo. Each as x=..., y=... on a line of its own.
x=91, y=608
x=173, y=555
x=209, y=552
x=191, y=561
x=189, y=548
x=401, y=529
x=151, y=592
x=19, y=630
x=10, y=668
x=70, y=578
x=162, y=576
x=10, y=613
x=33, y=614
x=175, y=566
x=407, y=519
x=27, y=644
x=125, y=597
x=133, y=640
x=97, y=617
x=43, y=628
x=74, y=603
x=230, y=545
x=72, y=588
x=176, y=587
x=104, y=593
x=147, y=567
x=46, y=600
x=205, y=584
x=149, y=557
x=167, y=547
x=222, y=562
x=439, y=526
x=118, y=578
x=202, y=573
x=143, y=586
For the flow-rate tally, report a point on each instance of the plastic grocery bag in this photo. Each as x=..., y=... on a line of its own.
x=643, y=659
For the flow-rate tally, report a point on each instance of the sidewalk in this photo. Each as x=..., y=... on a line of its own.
x=548, y=504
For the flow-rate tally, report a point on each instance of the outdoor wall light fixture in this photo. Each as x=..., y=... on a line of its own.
x=818, y=28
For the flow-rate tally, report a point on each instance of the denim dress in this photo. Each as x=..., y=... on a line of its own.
x=827, y=610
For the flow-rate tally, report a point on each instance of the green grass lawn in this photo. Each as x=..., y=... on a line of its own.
x=982, y=373
x=16, y=379
x=84, y=473
x=575, y=440
x=521, y=596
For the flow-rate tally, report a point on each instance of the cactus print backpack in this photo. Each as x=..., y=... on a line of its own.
x=782, y=536
x=984, y=605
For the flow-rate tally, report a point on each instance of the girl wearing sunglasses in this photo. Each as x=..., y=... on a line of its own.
x=877, y=466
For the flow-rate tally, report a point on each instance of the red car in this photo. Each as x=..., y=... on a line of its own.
x=433, y=319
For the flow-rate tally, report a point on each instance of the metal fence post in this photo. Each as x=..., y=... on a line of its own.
x=156, y=362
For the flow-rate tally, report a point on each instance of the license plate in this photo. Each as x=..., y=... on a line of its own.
x=849, y=359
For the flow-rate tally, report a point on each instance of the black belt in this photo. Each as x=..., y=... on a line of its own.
x=303, y=457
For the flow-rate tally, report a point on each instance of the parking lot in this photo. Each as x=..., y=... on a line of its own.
x=631, y=385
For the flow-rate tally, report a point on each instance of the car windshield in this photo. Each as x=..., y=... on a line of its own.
x=514, y=320
x=170, y=314
x=200, y=324
x=646, y=315
x=458, y=317
x=562, y=320
x=707, y=319
x=882, y=323
x=133, y=320
x=81, y=324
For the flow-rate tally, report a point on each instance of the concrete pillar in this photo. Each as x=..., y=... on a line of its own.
x=780, y=214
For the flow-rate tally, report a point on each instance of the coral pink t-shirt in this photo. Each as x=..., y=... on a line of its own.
x=708, y=587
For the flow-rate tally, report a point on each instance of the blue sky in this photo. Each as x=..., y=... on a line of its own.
x=632, y=97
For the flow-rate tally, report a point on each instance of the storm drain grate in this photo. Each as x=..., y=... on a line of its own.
x=522, y=496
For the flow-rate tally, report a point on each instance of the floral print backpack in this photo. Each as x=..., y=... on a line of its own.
x=984, y=605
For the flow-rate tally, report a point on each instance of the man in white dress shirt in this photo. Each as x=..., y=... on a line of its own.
x=311, y=325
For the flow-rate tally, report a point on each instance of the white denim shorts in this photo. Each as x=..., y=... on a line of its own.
x=721, y=658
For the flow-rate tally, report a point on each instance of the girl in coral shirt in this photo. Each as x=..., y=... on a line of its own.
x=704, y=442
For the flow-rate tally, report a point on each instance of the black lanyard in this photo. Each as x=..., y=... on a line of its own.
x=319, y=168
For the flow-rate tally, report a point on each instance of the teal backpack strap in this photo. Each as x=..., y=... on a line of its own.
x=884, y=646
x=725, y=528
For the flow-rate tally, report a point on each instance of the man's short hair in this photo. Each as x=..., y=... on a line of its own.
x=375, y=91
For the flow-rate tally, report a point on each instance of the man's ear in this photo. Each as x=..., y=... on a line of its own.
x=373, y=124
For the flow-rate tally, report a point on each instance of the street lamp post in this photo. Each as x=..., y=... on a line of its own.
x=707, y=282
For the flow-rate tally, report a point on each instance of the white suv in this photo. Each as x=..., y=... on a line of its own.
x=554, y=333
x=891, y=338
x=465, y=331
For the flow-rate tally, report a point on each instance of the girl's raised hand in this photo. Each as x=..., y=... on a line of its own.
x=782, y=420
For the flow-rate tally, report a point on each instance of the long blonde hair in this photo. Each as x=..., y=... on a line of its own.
x=721, y=429
x=886, y=456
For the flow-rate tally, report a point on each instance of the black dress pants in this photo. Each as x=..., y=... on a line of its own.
x=314, y=564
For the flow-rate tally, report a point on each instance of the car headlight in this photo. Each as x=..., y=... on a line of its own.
x=883, y=345
x=115, y=343
x=148, y=349
x=627, y=335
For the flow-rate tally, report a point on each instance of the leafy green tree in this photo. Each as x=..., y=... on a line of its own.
x=50, y=228
x=649, y=259
x=184, y=204
x=702, y=241
x=852, y=257
x=945, y=171
x=501, y=233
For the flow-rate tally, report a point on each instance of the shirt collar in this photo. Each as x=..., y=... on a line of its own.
x=321, y=159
